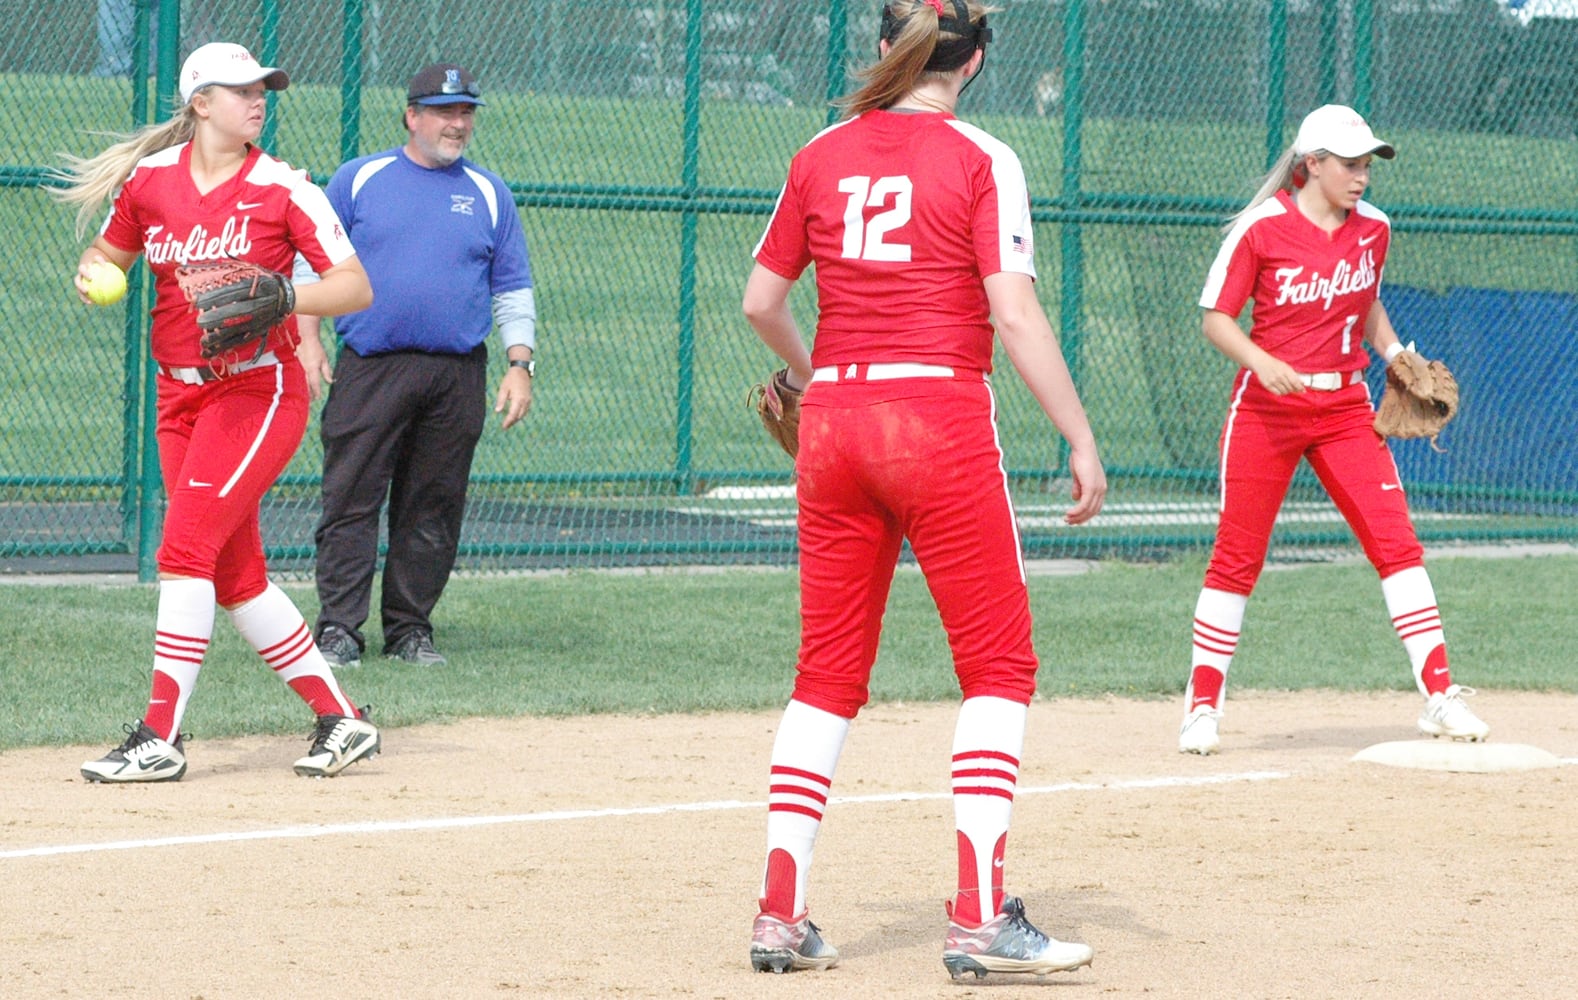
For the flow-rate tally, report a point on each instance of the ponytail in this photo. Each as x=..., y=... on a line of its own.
x=924, y=44
x=1285, y=175
x=89, y=182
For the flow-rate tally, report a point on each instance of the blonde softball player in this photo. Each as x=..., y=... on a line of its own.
x=1309, y=250
x=192, y=189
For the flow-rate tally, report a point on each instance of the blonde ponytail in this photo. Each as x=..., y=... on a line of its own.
x=92, y=181
x=1282, y=176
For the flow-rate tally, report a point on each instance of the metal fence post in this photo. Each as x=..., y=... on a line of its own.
x=151, y=487
x=268, y=54
x=837, y=47
x=1070, y=321
x=1276, y=77
x=351, y=82
x=685, y=386
x=1363, y=50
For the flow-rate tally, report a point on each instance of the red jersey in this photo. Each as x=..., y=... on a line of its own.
x=904, y=215
x=267, y=213
x=1312, y=289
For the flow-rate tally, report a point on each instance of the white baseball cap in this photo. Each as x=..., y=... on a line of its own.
x=229, y=65
x=1339, y=130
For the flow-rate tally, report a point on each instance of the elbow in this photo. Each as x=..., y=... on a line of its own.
x=758, y=310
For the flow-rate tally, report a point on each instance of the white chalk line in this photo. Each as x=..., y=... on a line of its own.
x=566, y=815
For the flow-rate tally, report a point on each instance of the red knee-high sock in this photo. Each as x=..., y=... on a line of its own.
x=1218, y=620
x=805, y=754
x=183, y=627
x=1411, y=601
x=273, y=626
x=987, y=742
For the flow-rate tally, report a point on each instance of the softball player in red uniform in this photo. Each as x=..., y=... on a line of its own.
x=192, y=189
x=919, y=226
x=1310, y=252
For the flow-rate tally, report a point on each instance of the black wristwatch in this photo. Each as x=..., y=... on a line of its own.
x=530, y=366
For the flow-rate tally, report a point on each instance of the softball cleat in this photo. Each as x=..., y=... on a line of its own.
x=143, y=757
x=1009, y=943
x=1446, y=715
x=1198, y=734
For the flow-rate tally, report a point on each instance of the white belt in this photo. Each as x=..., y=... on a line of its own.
x=197, y=376
x=876, y=373
x=1332, y=381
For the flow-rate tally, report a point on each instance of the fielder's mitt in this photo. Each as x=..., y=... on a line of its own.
x=237, y=302
x=1419, y=399
x=778, y=404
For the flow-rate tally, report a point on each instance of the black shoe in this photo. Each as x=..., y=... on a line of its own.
x=339, y=647
x=416, y=646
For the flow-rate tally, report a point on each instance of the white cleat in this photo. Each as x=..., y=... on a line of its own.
x=338, y=741
x=1446, y=715
x=143, y=757
x=789, y=946
x=1009, y=943
x=1198, y=734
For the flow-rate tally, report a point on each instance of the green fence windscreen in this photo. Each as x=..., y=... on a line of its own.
x=645, y=142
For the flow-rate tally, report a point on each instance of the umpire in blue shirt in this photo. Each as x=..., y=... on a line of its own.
x=442, y=243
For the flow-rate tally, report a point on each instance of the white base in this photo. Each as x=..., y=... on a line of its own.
x=1441, y=754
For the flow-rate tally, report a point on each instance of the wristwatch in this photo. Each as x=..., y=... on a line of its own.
x=530, y=366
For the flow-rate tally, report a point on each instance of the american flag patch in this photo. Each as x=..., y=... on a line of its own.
x=1022, y=244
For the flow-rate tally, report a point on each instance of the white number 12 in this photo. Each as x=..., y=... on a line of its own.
x=864, y=240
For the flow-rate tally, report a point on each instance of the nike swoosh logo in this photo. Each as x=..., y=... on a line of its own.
x=997, y=862
x=247, y=206
x=197, y=485
x=1384, y=486
x=1438, y=671
x=1365, y=241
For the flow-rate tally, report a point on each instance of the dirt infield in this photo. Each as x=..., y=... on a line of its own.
x=619, y=857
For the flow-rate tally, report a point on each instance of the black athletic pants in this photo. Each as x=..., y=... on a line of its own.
x=403, y=426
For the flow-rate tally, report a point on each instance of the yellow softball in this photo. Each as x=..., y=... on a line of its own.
x=106, y=283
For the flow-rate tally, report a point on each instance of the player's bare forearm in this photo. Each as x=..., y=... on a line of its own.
x=766, y=307
x=101, y=249
x=1378, y=330
x=1038, y=358
x=314, y=356
x=1224, y=334
x=341, y=289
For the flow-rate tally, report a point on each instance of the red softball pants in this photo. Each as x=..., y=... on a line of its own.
x=916, y=459
x=222, y=445
x=1263, y=440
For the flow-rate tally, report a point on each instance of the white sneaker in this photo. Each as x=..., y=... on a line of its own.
x=1198, y=734
x=1446, y=715
x=792, y=946
x=339, y=741
x=143, y=757
x=1009, y=943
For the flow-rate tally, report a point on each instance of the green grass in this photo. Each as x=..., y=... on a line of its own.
x=78, y=656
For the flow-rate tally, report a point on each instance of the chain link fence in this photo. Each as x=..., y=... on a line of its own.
x=645, y=142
